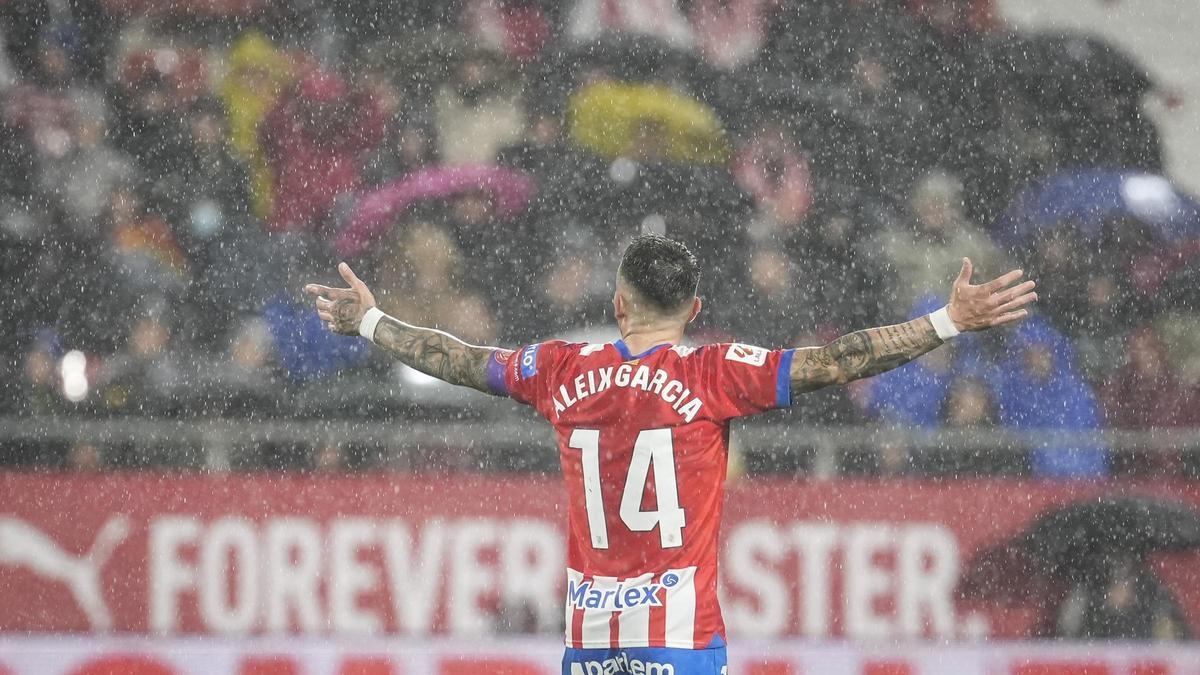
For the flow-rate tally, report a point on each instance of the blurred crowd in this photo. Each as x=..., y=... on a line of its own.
x=175, y=171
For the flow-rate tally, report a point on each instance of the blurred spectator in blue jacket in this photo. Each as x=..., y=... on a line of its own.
x=304, y=347
x=307, y=349
x=1038, y=389
x=914, y=395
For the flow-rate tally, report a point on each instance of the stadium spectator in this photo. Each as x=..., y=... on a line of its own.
x=84, y=457
x=565, y=290
x=421, y=276
x=730, y=33
x=572, y=294
x=303, y=349
x=840, y=276
x=1123, y=600
x=242, y=381
x=519, y=29
x=407, y=146
x=773, y=299
x=19, y=185
x=1038, y=389
x=328, y=458
x=41, y=381
x=568, y=177
x=1018, y=148
x=893, y=125
x=145, y=252
x=257, y=75
x=366, y=22
x=817, y=40
x=478, y=112
x=952, y=388
x=592, y=20
x=22, y=23
x=916, y=394
x=150, y=372
x=154, y=91
x=928, y=252
x=315, y=139
x=775, y=173
x=969, y=405
x=1059, y=254
x=206, y=193
x=1145, y=393
x=84, y=176
x=1099, y=301
x=24, y=224
x=205, y=185
x=945, y=73
x=41, y=105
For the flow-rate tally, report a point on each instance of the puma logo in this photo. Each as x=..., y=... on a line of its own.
x=23, y=545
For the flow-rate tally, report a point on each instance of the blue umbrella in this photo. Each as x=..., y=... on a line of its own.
x=1087, y=198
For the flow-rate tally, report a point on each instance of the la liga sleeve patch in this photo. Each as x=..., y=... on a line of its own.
x=749, y=354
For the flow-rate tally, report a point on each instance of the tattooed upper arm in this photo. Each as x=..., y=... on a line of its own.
x=862, y=354
x=813, y=368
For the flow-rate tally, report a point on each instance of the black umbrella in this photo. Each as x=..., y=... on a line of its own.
x=1073, y=541
x=1111, y=525
x=1054, y=67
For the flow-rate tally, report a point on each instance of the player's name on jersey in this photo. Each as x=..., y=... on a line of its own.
x=627, y=375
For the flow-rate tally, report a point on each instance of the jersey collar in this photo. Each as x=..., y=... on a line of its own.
x=624, y=350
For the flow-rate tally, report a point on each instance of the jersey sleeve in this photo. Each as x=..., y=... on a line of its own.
x=525, y=374
x=747, y=380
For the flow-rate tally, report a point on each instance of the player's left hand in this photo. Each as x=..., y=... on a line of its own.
x=342, y=309
x=995, y=303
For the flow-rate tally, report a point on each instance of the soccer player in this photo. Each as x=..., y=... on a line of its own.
x=643, y=429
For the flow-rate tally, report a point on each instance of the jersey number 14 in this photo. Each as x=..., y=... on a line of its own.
x=652, y=448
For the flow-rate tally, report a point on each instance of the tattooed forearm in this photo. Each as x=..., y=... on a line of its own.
x=862, y=354
x=435, y=353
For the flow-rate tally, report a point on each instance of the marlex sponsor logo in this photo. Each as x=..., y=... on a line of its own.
x=624, y=595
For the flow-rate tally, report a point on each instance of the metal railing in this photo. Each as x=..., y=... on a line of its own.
x=219, y=440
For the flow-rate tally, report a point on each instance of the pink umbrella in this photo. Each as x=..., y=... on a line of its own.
x=376, y=211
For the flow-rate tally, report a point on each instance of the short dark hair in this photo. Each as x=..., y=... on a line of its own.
x=662, y=271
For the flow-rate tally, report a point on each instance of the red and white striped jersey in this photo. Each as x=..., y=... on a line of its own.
x=643, y=441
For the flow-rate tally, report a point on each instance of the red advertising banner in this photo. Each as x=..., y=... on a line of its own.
x=98, y=655
x=410, y=556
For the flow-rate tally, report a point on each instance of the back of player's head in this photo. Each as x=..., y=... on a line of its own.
x=662, y=271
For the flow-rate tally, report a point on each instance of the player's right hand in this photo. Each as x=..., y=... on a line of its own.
x=342, y=309
x=994, y=303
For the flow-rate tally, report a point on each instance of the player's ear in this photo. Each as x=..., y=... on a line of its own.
x=696, y=304
x=619, y=308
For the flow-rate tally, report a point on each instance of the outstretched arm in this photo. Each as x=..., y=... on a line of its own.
x=430, y=351
x=875, y=350
x=435, y=353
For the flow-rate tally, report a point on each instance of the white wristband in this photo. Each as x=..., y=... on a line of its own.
x=366, y=327
x=942, y=325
